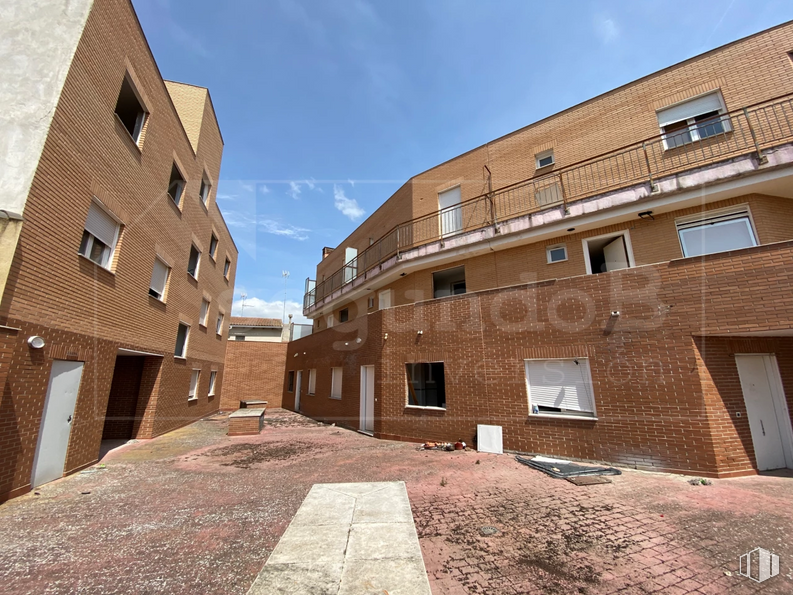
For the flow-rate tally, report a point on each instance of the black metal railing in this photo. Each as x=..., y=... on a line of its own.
x=743, y=131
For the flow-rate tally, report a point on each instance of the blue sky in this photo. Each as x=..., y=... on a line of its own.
x=327, y=107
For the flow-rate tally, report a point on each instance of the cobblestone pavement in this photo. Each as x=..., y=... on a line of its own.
x=195, y=511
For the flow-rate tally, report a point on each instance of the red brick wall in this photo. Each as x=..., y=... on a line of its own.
x=656, y=407
x=254, y=370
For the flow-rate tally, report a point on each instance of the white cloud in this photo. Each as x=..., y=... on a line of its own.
x=348, y=206
x=280, y=229
x=352, y=183
x=264, y=189
x=260, y=308
x=238, y=219
x=310, y=183
x=247, y=187
x=294, y=190
x=607, y=29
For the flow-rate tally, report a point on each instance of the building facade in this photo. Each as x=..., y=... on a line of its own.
x=120, y=268
x=611, y=283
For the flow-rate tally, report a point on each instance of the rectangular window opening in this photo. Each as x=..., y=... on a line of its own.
x=344, y=315
x=693, y=120
x=556, y=253
x=182, y=334
x=213, y=246
x=604, y=254
x=290, y=381
x=194, y=261
x=560, y=387
x=219, y=324
x=544, y=159
x=212, y=377
x=312, y=382
x=720, y=232
x=426, y=384
x=130, y=110
x=100, y=236
x=159, y=279
x=176, y=185
x=203, y=192
x=194, y=384
x=226, y=268
x=335, y=383
x=384, y=299
x=448, y=282
x=204, y=312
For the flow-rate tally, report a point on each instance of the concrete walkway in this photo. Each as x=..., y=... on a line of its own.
x=348, y=538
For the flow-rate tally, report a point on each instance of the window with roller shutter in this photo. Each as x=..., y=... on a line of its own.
x=100, y=236
x=560, y=387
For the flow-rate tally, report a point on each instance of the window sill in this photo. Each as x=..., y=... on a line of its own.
x=202, y=325
x=211, y=395
x=204, y=204
x=158, y=300
x=541, y=167
x=193, y=277
x=180, y=357
x=191, y=399
x=422, y=408
x=558, y=261
x=335, y=398
x=96, y=264
x=552, y=416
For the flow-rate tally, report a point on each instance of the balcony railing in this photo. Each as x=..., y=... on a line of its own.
x=740, y=132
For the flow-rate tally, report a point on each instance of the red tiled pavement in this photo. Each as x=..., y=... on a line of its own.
x=195, y=511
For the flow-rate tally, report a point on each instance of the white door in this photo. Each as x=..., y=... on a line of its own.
x=384, y=299
x=616, y=254
x=769, y=420
x=450, y=211
x=367, y=399
x=350, y=264
x=56, y=421
x=298, y=387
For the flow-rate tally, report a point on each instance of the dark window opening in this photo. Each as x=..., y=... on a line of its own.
x=130, y=110
x=203, y=193
x=290, y=381
x=426, y=385
x=448, y=282
x=213, y=246
x=239, y=337
x=226, y=268
x=193, y=261
x=607, y=254
x=181, y=340
x=344, y=315
x=709, y=124
x=176, y=185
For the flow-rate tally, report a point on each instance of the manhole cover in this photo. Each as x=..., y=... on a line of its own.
x=486, y=531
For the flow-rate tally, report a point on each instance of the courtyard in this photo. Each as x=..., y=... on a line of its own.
x=196, y=511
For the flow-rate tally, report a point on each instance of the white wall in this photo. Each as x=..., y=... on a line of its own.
x=38, y=39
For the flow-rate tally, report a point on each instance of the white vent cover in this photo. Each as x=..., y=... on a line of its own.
x=489, y=439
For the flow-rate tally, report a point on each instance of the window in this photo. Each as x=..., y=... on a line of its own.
x=426, y=385
x=194, y=384
x=239, y=337
x=718, y=232
x=226, y=268
x=544, y=159
x=344, y=315
x=203, y=192
x=330, y=320
x=194, y=261
x=219, y=324
x=176, y=185
x=182, y=333
x=100, y=236
x=335, y=383
x=451, y=214
x=202, y=319
x=693, y=120
x=350, y=264
x=130, y=110
x=312, y=382
x=213, y=246
x=159, y=279
x=290, y=381
x=212, y=377
x=370, y=303
x=608, y=253
x=560, y=387
x=448, y=282
x=556, y=253
x=384, y=298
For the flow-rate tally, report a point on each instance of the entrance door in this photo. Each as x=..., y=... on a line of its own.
x=450, y=211
x=367, y=399
x=769, y=420
x=298, y=388
x=56, y=421
x=616, y=255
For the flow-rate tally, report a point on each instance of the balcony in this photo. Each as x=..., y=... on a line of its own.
x=644, y=168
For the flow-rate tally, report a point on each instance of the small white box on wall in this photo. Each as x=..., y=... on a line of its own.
x=489, y=439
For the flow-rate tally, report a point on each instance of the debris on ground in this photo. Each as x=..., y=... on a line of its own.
x=448, y=446
x=561, y=469
x=588, y=480
x=700, y=481
x=487, y=531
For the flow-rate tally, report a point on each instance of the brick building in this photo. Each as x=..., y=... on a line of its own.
x=255, y=360
x=610, y=283
x=118, y=269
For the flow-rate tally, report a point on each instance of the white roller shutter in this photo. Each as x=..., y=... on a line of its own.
x=159, y=276
x=560, y=383
x=690, y=109
x=101, y=225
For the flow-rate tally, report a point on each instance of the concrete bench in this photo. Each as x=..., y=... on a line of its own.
x=246, y=422
x=253, y=404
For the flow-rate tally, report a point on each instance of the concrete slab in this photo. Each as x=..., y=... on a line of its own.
x=348, y=538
